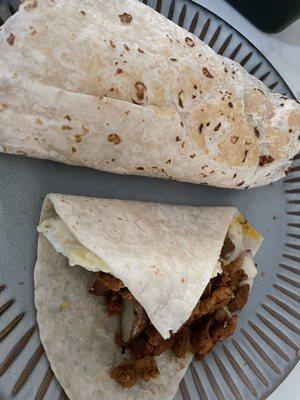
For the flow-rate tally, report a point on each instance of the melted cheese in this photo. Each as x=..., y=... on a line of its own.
x=248, y=229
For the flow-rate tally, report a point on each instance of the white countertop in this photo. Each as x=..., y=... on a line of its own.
x=283, y=51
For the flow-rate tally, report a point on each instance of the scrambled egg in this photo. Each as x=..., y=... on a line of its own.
x=63, y=241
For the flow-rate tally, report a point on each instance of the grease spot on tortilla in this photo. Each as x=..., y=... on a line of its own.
x=85, y=130
x=3, y=106
x=64, y=305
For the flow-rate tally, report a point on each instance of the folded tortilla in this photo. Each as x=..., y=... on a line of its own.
x=115, y=86
x=164, y=254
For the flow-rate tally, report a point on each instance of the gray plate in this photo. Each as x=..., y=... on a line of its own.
x=262, y=351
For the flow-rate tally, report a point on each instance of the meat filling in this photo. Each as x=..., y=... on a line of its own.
x=210, y=321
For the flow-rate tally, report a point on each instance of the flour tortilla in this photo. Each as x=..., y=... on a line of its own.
x=115, y=86
x=78, y=336
x=182, y=242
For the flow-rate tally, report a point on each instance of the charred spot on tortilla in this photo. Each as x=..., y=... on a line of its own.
x=256, y=131
x=265, y=159
x=189, y=41
x=240, y=184
x=140, y=89
x=230, y=105
x=180, y=102
x=119, y=71
x=82, y=12
x=177, y=139
x=140, y=50
x=73, y=149
x=11, y=39
x=245, y=156
x=140, y=168
x=207, y=73
x=234, y=139
x=173, y=59
x=67, y=116
x=66, y=128
x=112, y=43
x=114, y=138
x=125, y=18
x=137, y=103
x=217, y=127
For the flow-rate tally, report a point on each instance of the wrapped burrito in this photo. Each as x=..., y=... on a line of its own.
x=127, y=292
x=115, y=86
